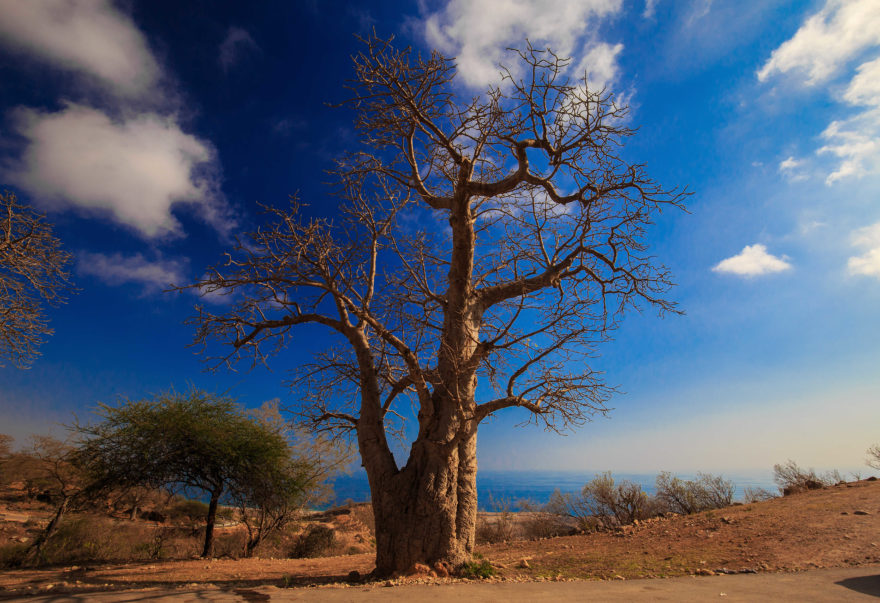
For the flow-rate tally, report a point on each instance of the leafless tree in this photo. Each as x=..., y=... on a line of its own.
x=495, y=240
x=33, y=271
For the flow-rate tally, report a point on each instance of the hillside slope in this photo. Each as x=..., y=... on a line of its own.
x=837, y=526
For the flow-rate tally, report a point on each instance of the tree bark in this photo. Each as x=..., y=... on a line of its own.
x=209, y=524
x=427, y=511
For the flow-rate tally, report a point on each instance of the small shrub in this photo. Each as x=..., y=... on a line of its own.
x=491, y=530
x=154, y=548
x=477, y=569
x=363, y=513
x=230, y=544
x=603, y=503
x=576, y=508
x=316, y=541
x=86, y=538
x=497, y=528
x=538, y=522
x=693, y=496
x=751, y=494
x=619, y=504
x=791, y=478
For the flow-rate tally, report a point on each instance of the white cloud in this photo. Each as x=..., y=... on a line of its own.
x=789, y=164
x=864, y=89
x=600, y=64
x=477, y=33
x=650, y=9
x=867, y=264
x=136, y=169
x=824, y=46
x=91, y=37
x=753, y=260
x=117, y=269
x=827, y=41
x=793, y=169
x=236, y=42
x=856, y=142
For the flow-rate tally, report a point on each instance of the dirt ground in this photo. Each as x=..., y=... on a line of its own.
x=830, y=528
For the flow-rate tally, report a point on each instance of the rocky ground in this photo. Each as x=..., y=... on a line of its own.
x=833, y=527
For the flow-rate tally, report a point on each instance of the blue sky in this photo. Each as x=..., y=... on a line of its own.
x=149, y=131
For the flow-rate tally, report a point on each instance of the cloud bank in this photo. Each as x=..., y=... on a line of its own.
x=90, y=37
x=129, y=163
x=133, y=169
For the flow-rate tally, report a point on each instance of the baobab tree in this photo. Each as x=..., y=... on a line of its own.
x=482, y=250
x=33, y=272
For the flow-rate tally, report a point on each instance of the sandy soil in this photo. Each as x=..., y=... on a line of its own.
x=832, y=527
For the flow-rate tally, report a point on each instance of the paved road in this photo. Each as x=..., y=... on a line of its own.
x=849, y=584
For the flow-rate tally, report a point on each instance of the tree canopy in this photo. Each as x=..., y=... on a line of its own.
x=196, y=442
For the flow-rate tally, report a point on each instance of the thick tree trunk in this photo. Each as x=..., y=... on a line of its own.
x=209, y=524
x=427, y=511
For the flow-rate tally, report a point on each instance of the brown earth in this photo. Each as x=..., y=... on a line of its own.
x=837, y=526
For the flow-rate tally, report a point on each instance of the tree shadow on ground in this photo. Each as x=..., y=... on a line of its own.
x=867, y=585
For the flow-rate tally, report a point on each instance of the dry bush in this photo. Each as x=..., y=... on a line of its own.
x=791, y=478
x=707, y=491
x=157, y=544
x=315, y=541
x=751, y=494
x=86, y=538
x=574, y=507
x=620, y=503
x=492, y=529
x=362, y=513
x=497, y=527
x=603, y=503
x=538, y=522
x=230, y=544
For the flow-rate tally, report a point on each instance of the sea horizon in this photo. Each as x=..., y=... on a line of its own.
x=508, y=489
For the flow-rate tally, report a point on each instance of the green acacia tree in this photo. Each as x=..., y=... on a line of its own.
x=197, y=441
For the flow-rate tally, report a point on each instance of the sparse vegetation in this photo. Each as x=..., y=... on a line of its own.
x=477, y=569
x=752, y=494
x=692, y=496
x=791, y=478
x=500, y=526
x=317, y=541
x=541, y=522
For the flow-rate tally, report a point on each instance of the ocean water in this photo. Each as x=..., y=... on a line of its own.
x=507, y=488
